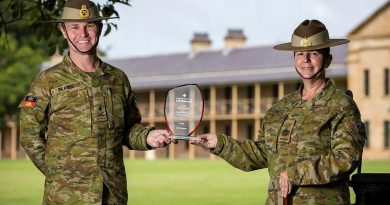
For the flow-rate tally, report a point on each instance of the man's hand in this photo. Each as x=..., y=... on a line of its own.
x=208, y=141
x=284, y=184
x=158, y=138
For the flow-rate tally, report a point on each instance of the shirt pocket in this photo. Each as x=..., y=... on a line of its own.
x=272, y=126
x=317, y=134
x=284, y=135
x=69, y=104
x=116, y=102
x=69, y=113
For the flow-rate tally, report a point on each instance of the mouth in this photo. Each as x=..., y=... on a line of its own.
x=83, y=41
x=307, y=68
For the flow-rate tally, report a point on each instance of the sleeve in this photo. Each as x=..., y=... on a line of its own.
x=33, y=122
x=135, y=133
x=345, y=148
x=246, y=155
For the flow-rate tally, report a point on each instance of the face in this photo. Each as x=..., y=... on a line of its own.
x=309, y=63
x=83, y=35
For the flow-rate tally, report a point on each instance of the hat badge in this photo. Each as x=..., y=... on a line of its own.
x=84, y=12
x=305, y=42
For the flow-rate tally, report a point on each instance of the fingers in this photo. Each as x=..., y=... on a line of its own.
x=158, y=138
x=284, y=184
x=208, y=141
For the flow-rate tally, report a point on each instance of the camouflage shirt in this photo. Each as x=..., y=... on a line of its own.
x=73, y=126
x=316, y=141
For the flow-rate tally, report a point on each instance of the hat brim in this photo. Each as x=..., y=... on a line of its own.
x=289, y=47
x=79, y=20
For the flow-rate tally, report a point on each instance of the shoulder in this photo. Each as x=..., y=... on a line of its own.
x=49, y=75
x=119, y=74
x=113, y=70
x=341, y=99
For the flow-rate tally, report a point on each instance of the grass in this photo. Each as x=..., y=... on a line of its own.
x=161, y=182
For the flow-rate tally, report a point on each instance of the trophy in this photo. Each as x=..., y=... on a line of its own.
x=183, y=111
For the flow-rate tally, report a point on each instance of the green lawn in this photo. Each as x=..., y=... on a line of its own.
x=161, y=182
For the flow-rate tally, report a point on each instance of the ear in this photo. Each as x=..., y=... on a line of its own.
x=328, y=60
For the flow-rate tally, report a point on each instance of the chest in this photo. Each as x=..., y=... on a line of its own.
x=78, y=97
x=299, y=131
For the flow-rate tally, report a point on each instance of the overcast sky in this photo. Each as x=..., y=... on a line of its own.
x=151, y=27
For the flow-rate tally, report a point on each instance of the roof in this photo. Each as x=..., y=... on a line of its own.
x=369, y=19
x=240, y=65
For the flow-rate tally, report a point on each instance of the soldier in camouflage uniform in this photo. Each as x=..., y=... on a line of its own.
x=78, y=114
x=311, y=139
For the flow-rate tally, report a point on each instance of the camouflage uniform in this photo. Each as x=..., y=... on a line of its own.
x=316, y=141
x=73, y=126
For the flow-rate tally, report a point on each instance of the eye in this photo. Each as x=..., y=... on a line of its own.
x=73, y=27
x=91, y=25
x=314, y=53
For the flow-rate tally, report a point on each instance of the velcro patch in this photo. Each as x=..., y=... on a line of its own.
x=29, y=101
x=65, y=88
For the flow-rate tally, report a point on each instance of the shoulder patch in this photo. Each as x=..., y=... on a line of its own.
x=29, y=102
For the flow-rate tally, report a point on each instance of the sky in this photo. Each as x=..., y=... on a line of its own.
x=155, y=27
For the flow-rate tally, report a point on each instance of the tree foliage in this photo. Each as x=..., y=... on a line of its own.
x=25, y=42
x=18, y=67
x=34, y=12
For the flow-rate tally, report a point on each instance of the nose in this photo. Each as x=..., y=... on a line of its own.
x=84, y=31
x=306, y=56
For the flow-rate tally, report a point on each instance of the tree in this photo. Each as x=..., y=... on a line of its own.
x=18, y=67
x=33, y=12
x=25, y=42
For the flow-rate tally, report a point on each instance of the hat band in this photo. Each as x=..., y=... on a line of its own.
x=72, y=13
x=317, y=39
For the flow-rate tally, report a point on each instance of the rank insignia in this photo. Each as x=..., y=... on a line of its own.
x=29, y=102
x=84, y=12
x=305, y=42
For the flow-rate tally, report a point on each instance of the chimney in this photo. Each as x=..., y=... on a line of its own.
x=200, y=42
x=235, y=38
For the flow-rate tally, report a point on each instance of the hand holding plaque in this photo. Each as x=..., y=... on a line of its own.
x=183, y=111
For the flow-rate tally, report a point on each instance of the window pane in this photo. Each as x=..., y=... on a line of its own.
x=386, y=81
x=367, y=134
x=366, y=82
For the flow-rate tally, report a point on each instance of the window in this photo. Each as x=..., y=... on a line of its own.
x=206, y=129
x=366, y=82
x=249, y=131
x=228, y=93
x=249, y=93
x=367, y=133
x=206, y=94
x=387, y=134
x=386, y=82
x=227, y=130
x=275, y=90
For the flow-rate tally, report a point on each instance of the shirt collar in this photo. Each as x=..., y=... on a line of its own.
x=71, y=67
x=320, y=99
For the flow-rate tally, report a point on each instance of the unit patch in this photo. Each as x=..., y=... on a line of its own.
x=29, y=101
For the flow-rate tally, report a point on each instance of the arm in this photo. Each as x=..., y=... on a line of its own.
x=246, y=155
x=135, y=134
x=140, y=137
x=33, y=123
x=345, y=148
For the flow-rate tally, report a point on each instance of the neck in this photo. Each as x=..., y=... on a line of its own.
x=86, y=62
x=312, y=87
